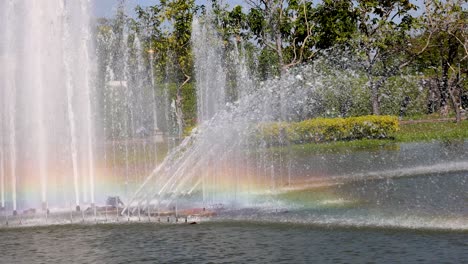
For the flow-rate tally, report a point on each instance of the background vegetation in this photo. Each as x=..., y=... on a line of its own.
x=385, y=59
x=329, y=129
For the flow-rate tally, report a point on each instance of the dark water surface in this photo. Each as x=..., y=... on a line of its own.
x=228, y=242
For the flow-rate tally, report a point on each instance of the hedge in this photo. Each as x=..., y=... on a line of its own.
x=328, y=129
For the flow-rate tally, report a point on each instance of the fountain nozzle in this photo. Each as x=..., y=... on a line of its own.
x=78, y=208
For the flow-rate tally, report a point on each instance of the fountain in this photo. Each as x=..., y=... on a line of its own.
x=225, y=166
x=72, y=140
x=91, y=139
x=47, y=99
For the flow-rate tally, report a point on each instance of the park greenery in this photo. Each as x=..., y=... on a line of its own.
x=448, y=133
x=387, y=57
x=328, y=129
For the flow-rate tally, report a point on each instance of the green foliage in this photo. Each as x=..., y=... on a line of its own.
x=167, y=30
x=268, y=64
x=189, y=104
x=343, y=92
x=403, y=96
x=445, y=57
x=380, y=38
x=297, y=30
x=430, y=131
x=381, y=41
x=230, y=23
x=256, y=21
x=335, y=23
x=329, y=129
x=446, y=132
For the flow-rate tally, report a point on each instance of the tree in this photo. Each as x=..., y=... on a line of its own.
x=265, y=20
x=168, y=29
x=230, y=23
x=180, y=14
x=295, y=30
x=383, y=35
x=446, y=25
x=335, y=23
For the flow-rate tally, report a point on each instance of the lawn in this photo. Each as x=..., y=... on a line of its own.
x=409, y=132
x=439, y=131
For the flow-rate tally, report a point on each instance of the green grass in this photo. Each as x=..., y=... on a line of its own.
x=343, y=146
x=442, y=131
x=417, y=132
x=427, y=116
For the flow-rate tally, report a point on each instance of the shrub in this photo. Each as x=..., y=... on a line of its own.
x=328, y=129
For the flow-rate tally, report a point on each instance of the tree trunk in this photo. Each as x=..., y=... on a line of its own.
x=456, y=107
x=444, y=89
x=455, y=95
x=179, y=112
x=447, y=90
x=375, y=97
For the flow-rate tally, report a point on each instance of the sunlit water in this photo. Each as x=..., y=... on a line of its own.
x=362, y=209
x=419, y=186
x=228, y=242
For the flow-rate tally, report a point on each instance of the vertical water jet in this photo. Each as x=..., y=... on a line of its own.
x=47, y=129
x=2, y=175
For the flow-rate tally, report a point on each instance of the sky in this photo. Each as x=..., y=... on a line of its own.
x=106, y=8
